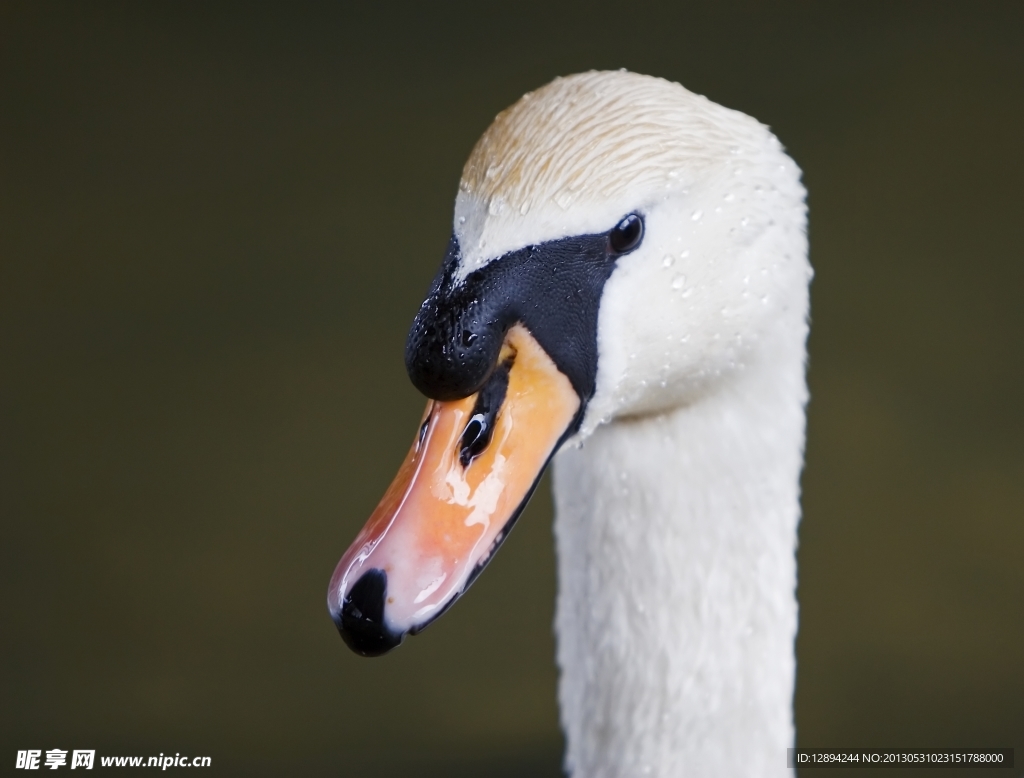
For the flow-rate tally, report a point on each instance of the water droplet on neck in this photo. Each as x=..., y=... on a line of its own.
x=668, y=261
x=697, y=215
x=679, y=282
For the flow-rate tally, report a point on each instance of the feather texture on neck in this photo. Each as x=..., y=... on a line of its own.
x=677, y=612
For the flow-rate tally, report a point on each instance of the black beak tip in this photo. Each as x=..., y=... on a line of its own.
x=361, y=618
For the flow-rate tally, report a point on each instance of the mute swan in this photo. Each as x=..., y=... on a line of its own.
x=626, y=285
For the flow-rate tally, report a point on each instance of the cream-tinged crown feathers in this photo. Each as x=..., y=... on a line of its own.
x=565, y=158
x=722, y=269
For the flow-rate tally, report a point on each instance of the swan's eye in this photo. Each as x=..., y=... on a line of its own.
x=627, y=234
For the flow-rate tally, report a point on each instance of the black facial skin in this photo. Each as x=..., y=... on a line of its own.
x=554, y=289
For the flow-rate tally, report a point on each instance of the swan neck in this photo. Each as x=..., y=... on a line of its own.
x=677, y=613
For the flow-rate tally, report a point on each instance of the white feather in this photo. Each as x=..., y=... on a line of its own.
x=678, y=501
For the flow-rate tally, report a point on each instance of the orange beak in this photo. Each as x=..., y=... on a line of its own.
x=469, y=473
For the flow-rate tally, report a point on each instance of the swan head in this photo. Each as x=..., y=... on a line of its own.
x=620, y=247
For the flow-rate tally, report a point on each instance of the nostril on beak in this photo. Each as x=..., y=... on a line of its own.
x=361, y=620
x=477, y=434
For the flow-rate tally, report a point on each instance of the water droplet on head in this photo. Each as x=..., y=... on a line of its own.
x=685, y=254
x=668, y=260
x=697, y=215
x=524, y=208
x=729, y=197
x=462, y=220
x=679, y=282
x=565, y=198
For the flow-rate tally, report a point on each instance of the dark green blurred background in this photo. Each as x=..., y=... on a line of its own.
x=216, y=224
